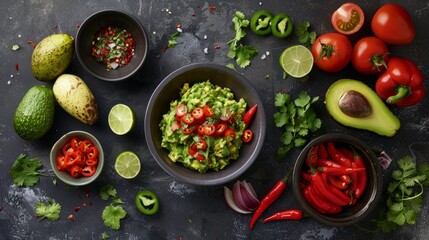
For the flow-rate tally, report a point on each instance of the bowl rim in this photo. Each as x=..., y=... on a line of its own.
x=122, y=13
x=375, y=194
x=212, y=181
x=53, y=153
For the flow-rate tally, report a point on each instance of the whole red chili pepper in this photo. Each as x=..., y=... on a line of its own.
x=248, y=116
x=401, y=83
x=322, y=152
x=339, y=170
x=328, y=163
x=321, y=187
x=362, y=176
x=309, y=199
x=337, y=156
x=311, y=159
x=272, y=195
x=337, y=182
x=321, y=203
x=335, y=191
x=292, y=214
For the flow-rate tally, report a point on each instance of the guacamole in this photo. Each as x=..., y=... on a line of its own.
x=204, y=126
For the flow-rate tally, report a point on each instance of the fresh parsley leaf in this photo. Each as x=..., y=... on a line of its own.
x=24, y=171
x=297, y=118
x=243, y=54
x=305, y=37
x=50, y=211
x=405, y=193
x=112, y=216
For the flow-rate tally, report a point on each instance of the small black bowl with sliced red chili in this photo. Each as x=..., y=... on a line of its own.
x=77, y=158
x=337, y=179
x=111, y=45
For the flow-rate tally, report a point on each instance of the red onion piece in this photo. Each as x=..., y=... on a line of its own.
x=249, y=196
x=231, y=203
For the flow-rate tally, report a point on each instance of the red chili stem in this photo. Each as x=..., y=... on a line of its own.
x=291, y=214
x=272, y=195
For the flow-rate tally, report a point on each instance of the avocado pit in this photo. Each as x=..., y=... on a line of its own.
x=354, y=104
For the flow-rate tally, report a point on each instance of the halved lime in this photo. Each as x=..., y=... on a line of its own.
x=296, y=61
x=121, y=119
x=127, y=164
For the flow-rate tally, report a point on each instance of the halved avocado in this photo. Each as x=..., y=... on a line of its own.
x=378, y=117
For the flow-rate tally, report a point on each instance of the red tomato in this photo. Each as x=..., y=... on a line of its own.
x=226, y=115
x=392, y=24
x=331, y=52
x=370, y=55
x=348, y=19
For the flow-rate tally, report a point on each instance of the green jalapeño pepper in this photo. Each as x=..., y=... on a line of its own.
x=147, y=202
x=281, y=25
x=260, y=22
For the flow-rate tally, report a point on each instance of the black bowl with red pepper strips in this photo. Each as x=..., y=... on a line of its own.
x=337, y=179
x=77, y=158
x=111, y=45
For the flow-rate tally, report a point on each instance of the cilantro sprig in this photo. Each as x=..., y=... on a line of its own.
x=405, y=194
x=25, y=171
x=50, y=211
x=297, y=118
x=305, y=37
x=243, y=54
x=112, y=214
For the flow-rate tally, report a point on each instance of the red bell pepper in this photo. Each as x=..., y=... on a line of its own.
x=401, y=84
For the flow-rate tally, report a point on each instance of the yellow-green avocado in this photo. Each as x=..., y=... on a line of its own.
x=381, y=120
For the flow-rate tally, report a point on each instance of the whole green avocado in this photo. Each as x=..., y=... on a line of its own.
x=34, y=115
x=52, y=56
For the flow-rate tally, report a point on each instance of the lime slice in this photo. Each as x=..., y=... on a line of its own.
x=121, y=119
x=127, y=164
x=296, y=61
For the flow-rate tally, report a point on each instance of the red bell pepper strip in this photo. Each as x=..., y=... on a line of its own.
x=337, y=156
x=401, y=83
x=272, y=195
x=292, y=214
x=248, y=116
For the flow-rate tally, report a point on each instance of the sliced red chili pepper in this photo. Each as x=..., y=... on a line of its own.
x=75, y=142
x=337, y=156
x=188, y=130
x=72, y=158
x=67, y=148
x=196, y=154
x=272, y=195
x=91, y=161
x=225, y=115
x=209, y=129
x=229, y=134
x=198, y=114
x=88, y=171
x=188, y=119
x=247, y=136
x=292, y=214
x=208, y=111
x=181, y=110
x=248, y=116
x=75, y=171
x=85, y=144
x=201, y=144
x=200, y=130
x=220, y=129
x=61, y=163
x=92, y=152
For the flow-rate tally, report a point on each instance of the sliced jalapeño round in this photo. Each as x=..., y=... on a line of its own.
x=260, y=22
x=147, y=202
x=281, y=25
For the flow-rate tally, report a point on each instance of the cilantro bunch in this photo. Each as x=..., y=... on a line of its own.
x=112, y=214
x=242, y=53
x=297, y=118
x=405, y=195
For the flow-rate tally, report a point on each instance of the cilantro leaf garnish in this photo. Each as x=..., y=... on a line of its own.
x=405, y=195
x=243, y=54
x=297, y=118
x=50, y=211
x=305, y=37
x=172, y=42
x=112, y=216
x=24, y=171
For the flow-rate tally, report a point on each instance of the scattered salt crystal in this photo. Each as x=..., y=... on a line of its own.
x=260, y=3
x=19, y=35
x=154, y=33
x=8, y=82
x=205, y=36
x=263, y=56
x=206, y=50
x=179, y=30
x=11, y=76
x=267, y=53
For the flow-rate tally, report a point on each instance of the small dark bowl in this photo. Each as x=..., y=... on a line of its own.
x=168, y=90
x=365, y=204
x=94, y=24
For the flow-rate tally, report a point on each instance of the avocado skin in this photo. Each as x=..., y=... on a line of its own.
x=34, y=115
x=381, y=121
x=52, y=56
